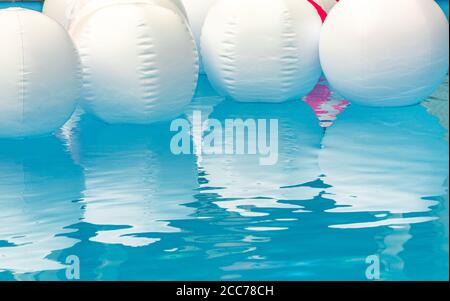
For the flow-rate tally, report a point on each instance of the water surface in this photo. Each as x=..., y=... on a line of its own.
x=350, y=182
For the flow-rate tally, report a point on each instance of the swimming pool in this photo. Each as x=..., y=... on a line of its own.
x=351, y=187
x=371, y=184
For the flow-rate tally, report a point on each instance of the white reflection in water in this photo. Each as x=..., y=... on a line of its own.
x=437, y=104
x=204, y=101
x=241, y=183
x=133, y=183
x=390, y=161
x=385, y=160
x=39, y=187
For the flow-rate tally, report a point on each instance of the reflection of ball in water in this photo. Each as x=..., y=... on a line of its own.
x=140, y=63
x=385, y=53
x=38, y=185
x=132, y=178
x=39, y=74
x=394, y=159
x=262, y=50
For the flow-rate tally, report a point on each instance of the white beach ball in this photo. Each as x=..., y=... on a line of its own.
x=39, y=74
x=197, y=11
x=66, y=11
x=262, y=50
x=86, y=7
x=140, y=63
x=59, y=10
x=385, y=53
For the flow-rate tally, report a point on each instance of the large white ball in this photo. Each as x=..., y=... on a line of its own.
x=39, y=74
x=140, y=63
x=66, y=11
x=197, y=11
x=59, y=10
x=262, y=50
x=383, y=52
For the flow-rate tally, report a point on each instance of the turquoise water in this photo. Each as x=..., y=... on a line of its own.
x=444, y=5
x=30, y=5
x=371, y=182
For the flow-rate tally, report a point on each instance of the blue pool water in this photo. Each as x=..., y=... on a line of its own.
x=30, y=5
x=374, y=183
x=444, y=4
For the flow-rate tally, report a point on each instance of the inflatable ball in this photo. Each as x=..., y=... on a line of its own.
x=39, y=74
x=66, y=11
x=140, y=63
x=385, y=53
x=60, y=10
x=262, y=50
x=196, y=11
x=86, y=7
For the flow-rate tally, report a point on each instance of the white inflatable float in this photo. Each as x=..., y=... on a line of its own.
x=385, y=53
x=60, y=10
x=140, y=63
x=39, y=74
x=262, y=50
x=197, y=11
x=66, y=11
